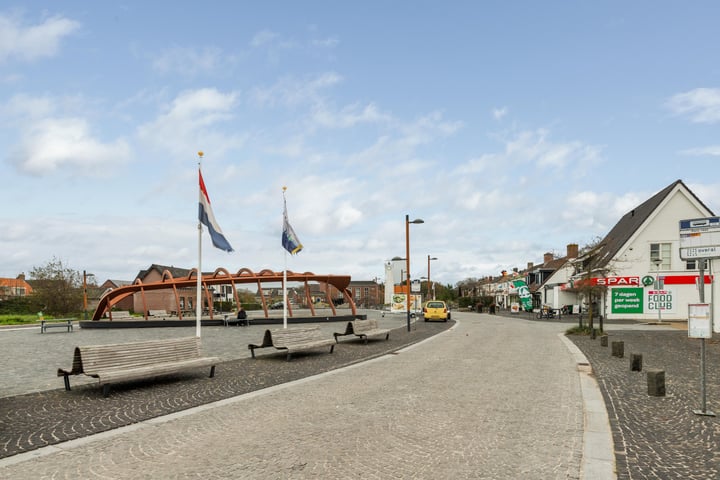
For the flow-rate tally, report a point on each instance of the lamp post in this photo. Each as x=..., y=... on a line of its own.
x=85, y=301
x=658, y=262
x=428, y=277
x=407, y=261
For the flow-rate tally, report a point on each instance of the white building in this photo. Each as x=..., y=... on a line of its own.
x=623, y=262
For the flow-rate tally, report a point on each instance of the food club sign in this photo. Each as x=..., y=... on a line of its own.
x=629, y=297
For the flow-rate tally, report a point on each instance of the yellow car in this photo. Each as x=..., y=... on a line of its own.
x=436, y=310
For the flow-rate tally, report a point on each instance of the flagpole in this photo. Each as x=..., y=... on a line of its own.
x=284, y=277
x=198, y=301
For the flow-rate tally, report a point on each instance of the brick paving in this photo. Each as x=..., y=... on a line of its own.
x=491, y=398
x=654, y=437
x=51, y=416
x=659, y=437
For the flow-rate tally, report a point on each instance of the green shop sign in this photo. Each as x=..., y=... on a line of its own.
x=627, y=300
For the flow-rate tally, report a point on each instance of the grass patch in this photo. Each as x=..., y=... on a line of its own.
x=14, y=319
x=584, y=330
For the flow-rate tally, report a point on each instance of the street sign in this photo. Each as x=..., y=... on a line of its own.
x=699, y=322
x=700, y=238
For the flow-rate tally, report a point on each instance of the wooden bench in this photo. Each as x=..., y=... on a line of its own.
x=119, y=314
x=154, y=313
x=60, y=322
x=132, y=361
x=294, y=339
x=363, y=329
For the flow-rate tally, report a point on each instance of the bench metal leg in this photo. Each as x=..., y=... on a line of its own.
x=387, y=337
x=252, y=352
x=106, y=390
x=66, y=378
x=332, y=347
x=212, y=371
x=288, y=356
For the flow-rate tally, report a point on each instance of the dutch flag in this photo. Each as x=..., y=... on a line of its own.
x=208, y=219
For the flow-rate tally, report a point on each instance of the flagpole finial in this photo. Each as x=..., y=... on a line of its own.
x=200, y=154
x=284, y=188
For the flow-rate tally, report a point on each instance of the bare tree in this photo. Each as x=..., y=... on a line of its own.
x=590, y=264
x=57, y=288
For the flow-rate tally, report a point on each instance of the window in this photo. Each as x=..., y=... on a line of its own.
x=661, y=251
x=695, y=265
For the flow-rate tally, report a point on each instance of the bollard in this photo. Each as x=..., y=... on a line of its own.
x=636, y=362
x=604, y=341
x=618, y=349
x=656, y=383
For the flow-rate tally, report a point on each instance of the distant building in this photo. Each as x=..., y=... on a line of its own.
x=366, y=293
x=14, y=287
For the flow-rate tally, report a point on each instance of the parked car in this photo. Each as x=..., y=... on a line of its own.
x=436, y=310
x=276, y=306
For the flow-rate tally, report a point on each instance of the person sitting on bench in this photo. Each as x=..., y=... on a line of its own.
x=242, y=316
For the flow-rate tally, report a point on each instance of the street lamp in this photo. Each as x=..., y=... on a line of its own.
x=407, y=260
x=428, y=277
x=85, y=301
x=658, y=262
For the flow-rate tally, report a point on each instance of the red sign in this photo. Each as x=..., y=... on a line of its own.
x=617, y=281
x=608, y=282
x=685, y=279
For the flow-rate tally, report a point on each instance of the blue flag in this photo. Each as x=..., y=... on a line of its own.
x=289, y=239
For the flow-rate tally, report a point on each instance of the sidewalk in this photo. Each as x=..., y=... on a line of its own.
x=490, y=398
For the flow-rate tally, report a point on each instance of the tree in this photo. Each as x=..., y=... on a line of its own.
x=592, y=264
x=57, y=287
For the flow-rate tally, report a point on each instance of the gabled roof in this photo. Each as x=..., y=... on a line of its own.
x=15, y=283
x=633, y=220
x=176, y=272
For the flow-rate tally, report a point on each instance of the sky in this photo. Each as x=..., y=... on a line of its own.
x=512, y=128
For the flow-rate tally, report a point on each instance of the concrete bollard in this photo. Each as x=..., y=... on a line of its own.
x=656, y=383
x=604, y=341
x=618, y=349
x=636, y=362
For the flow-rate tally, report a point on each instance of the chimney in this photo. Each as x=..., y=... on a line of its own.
x=548, y=257
x=572, y=250
x=21, y=277
x=530, y=265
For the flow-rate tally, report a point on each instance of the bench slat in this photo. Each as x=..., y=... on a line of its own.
x=364, y=329
x=132, y=361
x=294, y=339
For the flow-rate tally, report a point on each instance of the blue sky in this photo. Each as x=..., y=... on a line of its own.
x=510, y=128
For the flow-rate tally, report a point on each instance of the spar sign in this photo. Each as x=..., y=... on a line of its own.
x=608, y=282
x=618, y=281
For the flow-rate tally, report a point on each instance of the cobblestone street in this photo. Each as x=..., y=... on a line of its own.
x=659, y=437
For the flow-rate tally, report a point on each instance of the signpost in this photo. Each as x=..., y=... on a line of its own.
x=700, y=240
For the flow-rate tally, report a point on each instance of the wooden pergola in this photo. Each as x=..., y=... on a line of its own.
x=222, y=277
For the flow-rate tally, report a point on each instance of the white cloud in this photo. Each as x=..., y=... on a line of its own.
x=349, y=116
x=499, y=113
x=36, y=41
x=192, y=120
x=536, y=148
x=263, y=37
x=189, y=61
x=329, y=42
x=59, y=143
x=702, y=105
x=291, y=91
x=710, y=151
